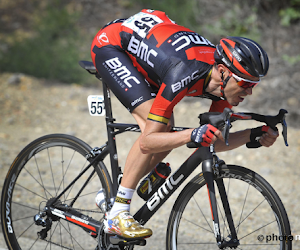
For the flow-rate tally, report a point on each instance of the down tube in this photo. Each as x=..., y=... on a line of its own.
x=171, y=185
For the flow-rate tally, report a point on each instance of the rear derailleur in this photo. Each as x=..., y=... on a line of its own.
x=45, y=219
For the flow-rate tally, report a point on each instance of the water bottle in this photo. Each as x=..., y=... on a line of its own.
x=100, y=200
x=154, y=180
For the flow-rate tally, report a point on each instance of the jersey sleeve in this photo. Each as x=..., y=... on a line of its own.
x=219, y=106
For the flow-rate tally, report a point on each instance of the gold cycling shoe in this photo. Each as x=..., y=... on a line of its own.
x=126, y=226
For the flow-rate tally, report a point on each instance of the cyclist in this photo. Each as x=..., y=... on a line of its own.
x=150, y=63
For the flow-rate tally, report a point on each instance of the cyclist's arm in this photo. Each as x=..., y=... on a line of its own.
x=156, y=139
x=240, y=138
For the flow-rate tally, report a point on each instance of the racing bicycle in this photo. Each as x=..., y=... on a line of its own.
x=47, y=198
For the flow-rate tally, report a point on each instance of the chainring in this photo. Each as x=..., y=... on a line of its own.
x=105, y=244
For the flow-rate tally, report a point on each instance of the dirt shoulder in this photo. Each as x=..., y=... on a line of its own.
x=30, y=108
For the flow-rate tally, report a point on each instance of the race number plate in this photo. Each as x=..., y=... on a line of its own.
x=96, y=105
x=142, y=23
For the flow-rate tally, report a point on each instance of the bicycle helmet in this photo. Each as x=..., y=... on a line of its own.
x=242, y=56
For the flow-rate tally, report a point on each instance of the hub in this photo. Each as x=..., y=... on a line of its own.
x=232, y=244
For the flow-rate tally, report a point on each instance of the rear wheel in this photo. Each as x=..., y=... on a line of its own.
x=258, y=214
x=39, y=173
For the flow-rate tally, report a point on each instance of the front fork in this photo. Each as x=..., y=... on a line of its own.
x=210, y=169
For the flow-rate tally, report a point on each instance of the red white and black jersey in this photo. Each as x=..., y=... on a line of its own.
x=173, y=59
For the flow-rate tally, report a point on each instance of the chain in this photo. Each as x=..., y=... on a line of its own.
x=62, y=207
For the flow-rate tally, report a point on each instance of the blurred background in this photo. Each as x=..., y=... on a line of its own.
x=43, y=90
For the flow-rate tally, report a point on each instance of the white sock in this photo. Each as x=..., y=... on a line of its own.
x=122, y=202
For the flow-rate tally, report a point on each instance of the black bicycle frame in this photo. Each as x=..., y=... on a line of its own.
x=203, y=154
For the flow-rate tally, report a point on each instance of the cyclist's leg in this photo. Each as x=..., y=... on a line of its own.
x=138, y=164
x=133, y=91
x=140, y=115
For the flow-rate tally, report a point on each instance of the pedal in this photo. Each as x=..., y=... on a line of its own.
x=115, y=240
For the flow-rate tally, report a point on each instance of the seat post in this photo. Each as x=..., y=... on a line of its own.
x=107, y=103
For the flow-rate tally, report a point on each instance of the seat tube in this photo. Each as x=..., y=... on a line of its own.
x=111, y=138
x=209, y=178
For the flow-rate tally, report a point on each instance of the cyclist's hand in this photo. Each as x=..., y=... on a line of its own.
x=262, y=136
x=268, y=138
x=206, y=135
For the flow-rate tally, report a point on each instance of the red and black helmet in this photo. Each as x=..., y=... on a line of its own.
x=242, y=56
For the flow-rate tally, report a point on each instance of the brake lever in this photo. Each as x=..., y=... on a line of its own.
x=284, y=130
x=225, y=131
x=280, y=118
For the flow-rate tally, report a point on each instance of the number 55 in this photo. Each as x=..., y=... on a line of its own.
x=96, y=105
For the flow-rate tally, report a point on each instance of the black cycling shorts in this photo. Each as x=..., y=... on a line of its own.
x=122, y=77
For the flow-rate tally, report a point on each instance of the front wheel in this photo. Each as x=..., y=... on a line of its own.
x=259, y=216
x=39, y=173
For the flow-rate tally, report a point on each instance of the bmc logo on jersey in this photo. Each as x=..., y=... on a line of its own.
x=141, y=50
x=184, y=82
x=121, y=71
x=186, y=40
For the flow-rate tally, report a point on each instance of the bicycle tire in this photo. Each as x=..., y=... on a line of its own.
x=258, y=213
x=39, y=172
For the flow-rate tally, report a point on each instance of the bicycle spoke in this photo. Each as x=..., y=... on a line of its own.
x=62, y=169
x=243, y=208
x=83, y=195
x=61, y=242
x=250, y=213
x=38, y=169
x=64, y=173
x=198, y=225
x=43, y=187
x=203, y=215
x=22, y=205
x=51, y=171
x=32, y=224
x=258, y=229
x=34, y=243
x=71, y=236
x=51, y=234
x=31, y=191
x=24, y=218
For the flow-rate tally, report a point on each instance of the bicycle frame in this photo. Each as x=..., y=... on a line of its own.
x=204, y=155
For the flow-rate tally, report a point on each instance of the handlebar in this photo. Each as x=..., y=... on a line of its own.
x=222, y=121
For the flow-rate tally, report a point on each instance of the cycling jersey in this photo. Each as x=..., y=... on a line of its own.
x=149, y=53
